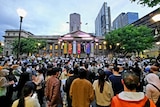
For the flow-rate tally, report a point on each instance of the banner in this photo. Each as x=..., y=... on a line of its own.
x=65, y=48
x=74, y=47
x=88, y=48
x=78, y=48
x=92, y=47
x=70, y=48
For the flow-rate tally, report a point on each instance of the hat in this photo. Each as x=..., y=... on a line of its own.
x=14, y=66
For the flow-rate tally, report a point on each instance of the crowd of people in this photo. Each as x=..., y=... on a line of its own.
x=79, y=82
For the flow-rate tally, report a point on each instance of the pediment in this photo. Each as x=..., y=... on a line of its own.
x=78, y=34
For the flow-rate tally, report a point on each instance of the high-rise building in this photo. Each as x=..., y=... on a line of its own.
x=125, y=19
x=75, y=22
x=103, y=21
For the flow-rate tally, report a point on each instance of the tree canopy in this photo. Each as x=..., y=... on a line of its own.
x=28, y=45
x=1, y=49
x=149, y=3
x=130, y=39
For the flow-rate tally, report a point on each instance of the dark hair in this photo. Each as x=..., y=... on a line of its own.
x=82, y=73
x=106, y=65
x=75, y=70
x=28, y=88
x=53, y=71
x=101, y=79
x=115, y=68
x=86, y=65
x=131, y=80
x=40, y=71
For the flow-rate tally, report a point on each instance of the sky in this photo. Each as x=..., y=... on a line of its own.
x=49, y=17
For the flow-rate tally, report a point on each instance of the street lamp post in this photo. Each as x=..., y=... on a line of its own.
x=22, y=13
x=39, y=44
x=104, y=47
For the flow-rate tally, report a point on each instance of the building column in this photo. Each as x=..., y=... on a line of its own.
x=53, y=52
x=47, y=48
x=59, y=48
x=74, y=47
x=92, y=49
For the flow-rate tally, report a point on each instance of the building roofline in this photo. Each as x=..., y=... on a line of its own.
x=153, y=12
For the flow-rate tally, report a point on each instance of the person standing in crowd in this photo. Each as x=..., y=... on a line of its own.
x=158, y=59
x=26, y=99
x=52, y=89
x=107, y=70
x=68, y=83
x=103, y=90
x=137, y=70
x=81, y=90
x=94, y=69
x=39, y=81
x=130, y=97
x=151, y=92
x=154, y=69
x=24, y=77
x=115, y=80
x=4, y=84
x=64, y=74
x=10, y=88
x=89, y=75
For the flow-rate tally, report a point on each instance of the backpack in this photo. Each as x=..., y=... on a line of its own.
x=158, y=101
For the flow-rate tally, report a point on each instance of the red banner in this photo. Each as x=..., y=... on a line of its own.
x=78, y=48
x=70, y=48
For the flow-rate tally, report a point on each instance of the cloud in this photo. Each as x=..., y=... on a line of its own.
x=50, y=17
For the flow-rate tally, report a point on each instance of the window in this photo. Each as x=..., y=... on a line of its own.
x=56, y=46
x=50, y=47
x=104, y=47
x=100, y=46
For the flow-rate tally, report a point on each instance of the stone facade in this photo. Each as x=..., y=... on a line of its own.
x=55, y=43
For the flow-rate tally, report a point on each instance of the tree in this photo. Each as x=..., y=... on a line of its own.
x=42, y=44
x=130, y=39
x=28, y=45
x=149, y=3
x=1, y=49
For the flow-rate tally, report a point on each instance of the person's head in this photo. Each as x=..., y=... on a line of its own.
x=101, y=79
x=130, y=81
x=101, y=74
x=116, y=69
x=55, y=71
x=28, y=90
x=75, y=70
x=40, y=71
x=3, y=72
x=86, y=65
x=52, y=71
x=82, y=73
x=107, y=65
x=152, y=78
x=154, y=69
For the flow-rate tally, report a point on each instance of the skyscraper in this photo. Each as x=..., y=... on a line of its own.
x=75, y=22
x=125, y=19
x=103, y=21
